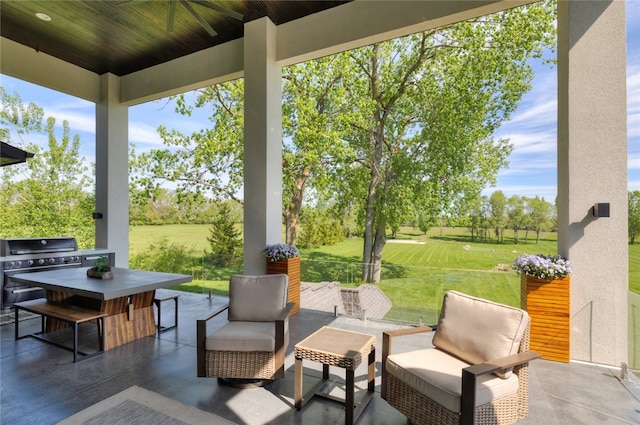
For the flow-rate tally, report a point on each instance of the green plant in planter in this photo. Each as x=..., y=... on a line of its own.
x=100, y=269
x=101, y=264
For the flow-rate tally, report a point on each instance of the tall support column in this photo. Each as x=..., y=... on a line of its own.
x=592, y=168
x=112, y=171
x=262, y=144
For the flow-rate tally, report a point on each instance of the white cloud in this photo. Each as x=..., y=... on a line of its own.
x=142, y=134
x=540, y=113
x=78, y=121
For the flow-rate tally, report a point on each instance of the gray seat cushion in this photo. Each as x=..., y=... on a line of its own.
x=254, y=304
x=257, y=298
x=245, y=336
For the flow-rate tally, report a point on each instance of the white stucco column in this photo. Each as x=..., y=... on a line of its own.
x=112, y=171
x=592, y=168
x=262, y=144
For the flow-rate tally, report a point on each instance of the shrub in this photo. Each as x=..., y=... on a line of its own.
x=163, y=256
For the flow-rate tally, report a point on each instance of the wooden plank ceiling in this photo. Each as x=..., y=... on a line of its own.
x=124, y=36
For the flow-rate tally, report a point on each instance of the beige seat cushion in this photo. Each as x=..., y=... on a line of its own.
x=478, y=330
x=438, y=376
x=257, y=298
x=245, y=336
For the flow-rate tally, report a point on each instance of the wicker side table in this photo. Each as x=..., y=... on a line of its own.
x=336, y=347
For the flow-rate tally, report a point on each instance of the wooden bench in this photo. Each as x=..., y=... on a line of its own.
x=67, y=313
x=158, y=299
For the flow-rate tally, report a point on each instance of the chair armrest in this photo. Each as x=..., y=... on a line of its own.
x=286, y=311
x=279, y=324
x=387, y=336
x=201, y=336
x=471, y=373
x=500, y=364
x=280, y=347
x=213, y=314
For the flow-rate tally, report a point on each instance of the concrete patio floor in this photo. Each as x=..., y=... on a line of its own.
x=41, y=385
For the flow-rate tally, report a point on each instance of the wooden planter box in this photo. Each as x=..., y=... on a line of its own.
x=547, y=303
x=290, y=267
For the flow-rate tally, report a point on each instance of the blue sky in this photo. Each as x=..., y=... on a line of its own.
x=532, y=128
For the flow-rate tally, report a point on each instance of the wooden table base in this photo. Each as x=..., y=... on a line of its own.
x=128, y=318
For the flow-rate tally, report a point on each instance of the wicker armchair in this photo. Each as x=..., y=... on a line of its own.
x=477, y=372
x=249, y=349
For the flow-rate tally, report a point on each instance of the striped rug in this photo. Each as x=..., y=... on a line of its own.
x=137, y=405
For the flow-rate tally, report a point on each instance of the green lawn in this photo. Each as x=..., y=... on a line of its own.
x=193, y=236
x=415, y=276
x=634, y=268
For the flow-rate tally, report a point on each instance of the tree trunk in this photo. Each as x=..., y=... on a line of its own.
x=369, y=239
x=293, y=211
x=372, y=253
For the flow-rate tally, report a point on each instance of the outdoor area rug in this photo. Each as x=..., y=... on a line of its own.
x=136, y=405
x=7, y=315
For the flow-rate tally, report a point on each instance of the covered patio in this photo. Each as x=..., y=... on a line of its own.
x=41, y=384
x=592, y=168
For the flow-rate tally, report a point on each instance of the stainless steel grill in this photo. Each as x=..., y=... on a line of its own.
x=39, y=254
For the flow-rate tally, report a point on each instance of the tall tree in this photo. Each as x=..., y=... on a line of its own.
x=498, y=205
x=429, y=106
x=515, y=211
x=207, y=161
x=315, y=108
x=540, y=212
x=50, y=195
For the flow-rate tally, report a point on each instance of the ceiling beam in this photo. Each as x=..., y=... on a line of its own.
x=204, y=68
x=27, y=64
x=364, y=22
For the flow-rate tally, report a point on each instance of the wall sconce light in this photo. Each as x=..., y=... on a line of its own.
x=600, y=210
x=96, y=215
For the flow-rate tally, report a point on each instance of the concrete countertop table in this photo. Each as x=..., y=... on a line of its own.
x=127, y=298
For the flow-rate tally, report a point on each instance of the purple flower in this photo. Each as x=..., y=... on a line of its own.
x=280, y=251
x=546, y=267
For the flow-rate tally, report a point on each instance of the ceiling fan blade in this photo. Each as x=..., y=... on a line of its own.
x=228, y=12
x=198, y=18
x=171, y=14
x=131, y=2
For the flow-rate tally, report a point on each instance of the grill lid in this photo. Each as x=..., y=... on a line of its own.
x=36, y=246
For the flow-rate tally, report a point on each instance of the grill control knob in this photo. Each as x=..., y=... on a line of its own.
x=29, y=263
x=52, y=260
x=18, y=263
x=40, y=261
x=10, y=264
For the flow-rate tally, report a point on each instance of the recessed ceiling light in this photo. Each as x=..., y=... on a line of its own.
x=43, y=16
